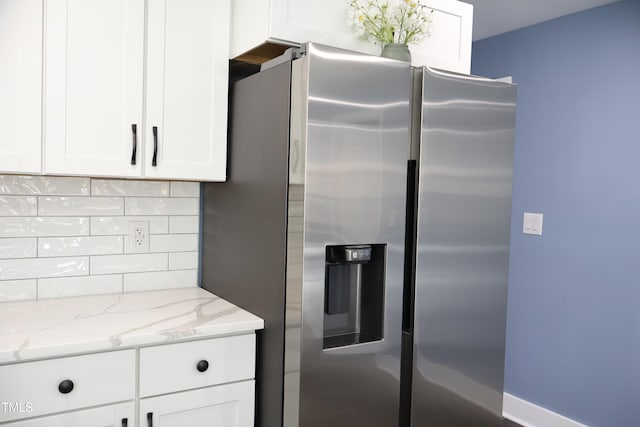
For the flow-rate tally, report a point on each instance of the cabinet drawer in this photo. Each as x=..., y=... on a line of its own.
x=34, y=387
x=175, y=367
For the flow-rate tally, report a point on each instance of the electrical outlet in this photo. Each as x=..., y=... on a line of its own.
x=139, y=236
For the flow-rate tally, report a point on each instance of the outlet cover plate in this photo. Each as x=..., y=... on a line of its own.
x=139, y=236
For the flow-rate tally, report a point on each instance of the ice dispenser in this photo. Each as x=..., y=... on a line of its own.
x=353, y=294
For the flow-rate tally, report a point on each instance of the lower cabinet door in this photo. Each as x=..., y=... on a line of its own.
x=119, y=415
x=230, y=405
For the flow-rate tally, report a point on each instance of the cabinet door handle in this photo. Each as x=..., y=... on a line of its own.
x=202, y=366
x=125, y=422
x=150, y=419
x=154, y=160
x=134, y=132
x=65, y=386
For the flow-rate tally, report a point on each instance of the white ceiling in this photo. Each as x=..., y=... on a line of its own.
x=492, y=17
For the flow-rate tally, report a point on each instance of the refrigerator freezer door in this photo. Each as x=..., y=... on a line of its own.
x=464, y=210
x=354, y=141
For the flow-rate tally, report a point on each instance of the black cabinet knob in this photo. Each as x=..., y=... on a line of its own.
x=202, y=366
x=65, y=386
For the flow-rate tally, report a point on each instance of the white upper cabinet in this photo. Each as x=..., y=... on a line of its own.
x=93, y=86
x=111, y=111
x=255, y=22
x=449, y=46
x=20, y=85
x=187, y=78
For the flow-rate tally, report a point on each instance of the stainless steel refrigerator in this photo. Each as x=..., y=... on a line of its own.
x=334, y=158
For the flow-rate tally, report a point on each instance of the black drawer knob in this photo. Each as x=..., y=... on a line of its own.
x=65, y=386
x=202, y=366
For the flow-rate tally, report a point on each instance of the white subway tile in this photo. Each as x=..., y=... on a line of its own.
x=77, y=246
x=34, y=268
x=119, y=225
x=75, y=286
x=296, y=209
x=80, y=206
x=18, y=206
x=18, y=248
x=185, y=189
x=183, y=260
x=184, y=224
x=167, y=243
x=108, y=264
x=15, y=290
x=43, y=226
x=61, y=186
x=161, y=206
x=116, y=187
x=295, y=224
x=173, y=242
x=160, y=280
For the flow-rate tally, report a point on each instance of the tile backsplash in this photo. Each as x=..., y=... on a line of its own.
x=69, y=236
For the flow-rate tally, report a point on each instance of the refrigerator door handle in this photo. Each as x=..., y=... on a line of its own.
x=410, y=247
x=408, y=292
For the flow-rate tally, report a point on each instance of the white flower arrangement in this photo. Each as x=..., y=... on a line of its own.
x=395, y=21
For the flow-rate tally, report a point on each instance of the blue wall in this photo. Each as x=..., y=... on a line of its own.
x=573, y=339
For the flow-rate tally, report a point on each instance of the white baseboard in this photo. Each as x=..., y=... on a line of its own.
x=528, y=414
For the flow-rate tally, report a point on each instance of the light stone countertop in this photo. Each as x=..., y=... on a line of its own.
x=59, y=327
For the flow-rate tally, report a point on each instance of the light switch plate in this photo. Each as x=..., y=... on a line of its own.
x=532, y=223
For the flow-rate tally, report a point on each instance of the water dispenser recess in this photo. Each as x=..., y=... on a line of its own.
x=353, y=294
x=336, y=300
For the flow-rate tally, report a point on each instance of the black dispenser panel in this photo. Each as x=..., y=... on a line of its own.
x=353, y=294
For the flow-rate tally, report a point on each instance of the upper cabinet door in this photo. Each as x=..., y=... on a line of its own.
x=20, y=85
x=187, y=79
x=325, y=22
x=449, y=46
x=93, y=87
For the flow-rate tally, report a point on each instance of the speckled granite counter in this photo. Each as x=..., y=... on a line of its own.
x=59, y=327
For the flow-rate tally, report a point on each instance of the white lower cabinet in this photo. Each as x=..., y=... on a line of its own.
x=202, y=383
x=229, y=405
x=120, y=415
x=218, y=374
